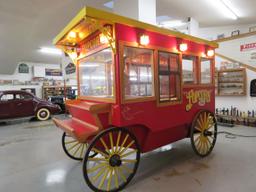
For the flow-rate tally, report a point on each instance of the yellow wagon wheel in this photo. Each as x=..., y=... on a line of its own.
x=74, y=149
x=203, y=133
x=116, y=162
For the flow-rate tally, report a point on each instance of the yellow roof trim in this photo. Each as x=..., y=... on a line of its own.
x=107, y=16
x=77, y=19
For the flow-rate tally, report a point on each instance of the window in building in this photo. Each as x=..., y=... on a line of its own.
x=96, y=75
x=206, y=75
x=169, y=77
x=138, y=81
x=189, y=69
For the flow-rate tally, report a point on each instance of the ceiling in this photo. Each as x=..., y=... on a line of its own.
x=26, y=25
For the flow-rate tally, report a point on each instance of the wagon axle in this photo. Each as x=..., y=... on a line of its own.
x=115, y=161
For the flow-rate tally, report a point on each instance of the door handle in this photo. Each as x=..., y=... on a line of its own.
x=19, y=104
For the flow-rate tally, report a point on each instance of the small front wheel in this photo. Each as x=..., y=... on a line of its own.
x=73, y=148
x=203, y=133
x=43, y=114
x=116, y=162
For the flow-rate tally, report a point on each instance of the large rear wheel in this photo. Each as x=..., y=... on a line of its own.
x=203, y=133
x=116, y=162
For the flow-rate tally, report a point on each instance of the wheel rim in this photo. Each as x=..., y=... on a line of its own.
x=116, y=162
x=204, y=133
x=74, y=149
x=43, y=114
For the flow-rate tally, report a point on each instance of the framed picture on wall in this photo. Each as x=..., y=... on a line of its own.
x=252, y=29
x=234, y=33
x=23, y=68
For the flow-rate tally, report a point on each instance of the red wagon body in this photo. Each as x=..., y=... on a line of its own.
x=154, y=83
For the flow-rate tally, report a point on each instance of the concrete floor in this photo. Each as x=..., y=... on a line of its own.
x=32, y=160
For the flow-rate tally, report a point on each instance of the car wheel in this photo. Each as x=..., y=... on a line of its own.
x=43, y=114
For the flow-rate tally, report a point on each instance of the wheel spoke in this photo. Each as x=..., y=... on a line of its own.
x=111, y=142
x=103, y=178
x=95, y=178
x=200, y=123
x=197, y=139
x=129, y=160
x=129, y=145
x=116, y=178
x=121, y=174
x=100, y=152
x=95, y=168
x=124, y=141
x=104, y=144
x=200, y=145
x=198, y=129
x=209, y=142
x=82, y=151
x=72, y=141
x=97, y=159
x=129, y=153
x=110, y=179
x=73, y=146
x=205, y=120
x=79, y=147
x=117, y=142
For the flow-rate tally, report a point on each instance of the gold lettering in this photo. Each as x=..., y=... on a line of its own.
x=201, y=97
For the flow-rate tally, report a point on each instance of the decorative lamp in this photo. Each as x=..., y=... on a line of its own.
x=103, y=39
x=183, y=47
x=72, y=35
x=144, y=39
x=210, y=53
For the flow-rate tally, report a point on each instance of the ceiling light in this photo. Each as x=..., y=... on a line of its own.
x=173, y=24
x=52, y=51
x=225, y=7
x=109, y=4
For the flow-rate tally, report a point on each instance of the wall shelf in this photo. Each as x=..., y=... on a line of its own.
x=231, y=82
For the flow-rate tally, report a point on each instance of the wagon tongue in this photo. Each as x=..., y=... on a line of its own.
x=88, y=118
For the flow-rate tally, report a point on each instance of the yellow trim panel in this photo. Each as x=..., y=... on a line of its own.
x=89, y=12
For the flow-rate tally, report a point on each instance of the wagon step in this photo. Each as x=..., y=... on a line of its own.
x=76, y=128
x=89, y=106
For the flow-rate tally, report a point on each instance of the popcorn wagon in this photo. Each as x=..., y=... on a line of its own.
x=140, y=87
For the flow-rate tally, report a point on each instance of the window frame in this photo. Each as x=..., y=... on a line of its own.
x=179, y=100
x=196, y=69
x=211, y=70
x=122, y=45
x=95, y=98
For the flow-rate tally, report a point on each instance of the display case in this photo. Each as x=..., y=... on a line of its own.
x=49, y=91
x=231, y=82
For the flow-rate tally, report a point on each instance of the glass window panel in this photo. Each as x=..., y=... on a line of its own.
x=96, y=75
x=206, y=77
x=164, y=87
x=138, y=72
x=189, y=73
x=169, y=76
x=7, y=97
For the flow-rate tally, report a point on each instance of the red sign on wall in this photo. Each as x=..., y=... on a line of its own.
x=248, y=47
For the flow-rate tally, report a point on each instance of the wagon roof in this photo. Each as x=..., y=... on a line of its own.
x=85, y=22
